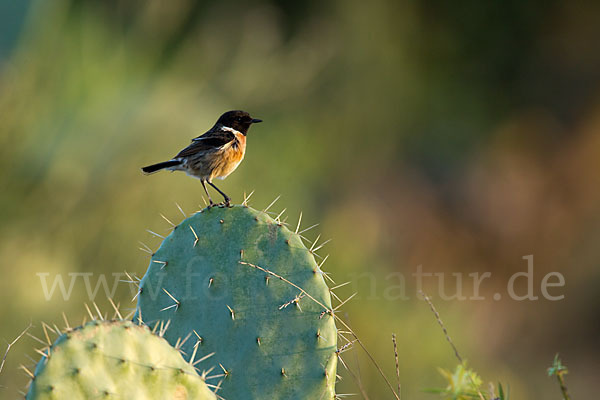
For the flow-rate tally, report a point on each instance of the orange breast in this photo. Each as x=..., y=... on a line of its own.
x=231, y=156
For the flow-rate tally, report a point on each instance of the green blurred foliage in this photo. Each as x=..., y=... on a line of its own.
x=463, y=384
x=459, y=137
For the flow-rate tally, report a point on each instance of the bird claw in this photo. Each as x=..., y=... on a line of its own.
x=223, y=204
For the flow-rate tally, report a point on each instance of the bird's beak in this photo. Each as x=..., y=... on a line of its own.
x=256, y=121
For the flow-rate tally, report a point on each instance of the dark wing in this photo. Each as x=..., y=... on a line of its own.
x=210, y=141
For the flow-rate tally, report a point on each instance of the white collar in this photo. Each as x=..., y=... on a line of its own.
x=228, y=129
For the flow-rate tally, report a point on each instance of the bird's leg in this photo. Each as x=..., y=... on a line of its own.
x=227, y=198
x=211, y=203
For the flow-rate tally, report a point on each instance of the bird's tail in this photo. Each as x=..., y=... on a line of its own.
x=150, y=169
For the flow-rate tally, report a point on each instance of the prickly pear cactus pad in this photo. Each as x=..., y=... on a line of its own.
x=115, y=360
x=247, y=289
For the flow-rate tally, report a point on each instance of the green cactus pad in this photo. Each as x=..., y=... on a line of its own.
x=271, y=339
x=115, y=360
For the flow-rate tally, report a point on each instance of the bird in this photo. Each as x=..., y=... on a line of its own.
x=214, y=154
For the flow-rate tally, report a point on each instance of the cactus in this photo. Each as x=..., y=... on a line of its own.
x=114, y=360
x=247, y=289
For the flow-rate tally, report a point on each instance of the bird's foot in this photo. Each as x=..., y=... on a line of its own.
x=225, y=204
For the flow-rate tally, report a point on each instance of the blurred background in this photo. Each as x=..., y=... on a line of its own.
x=455, y=136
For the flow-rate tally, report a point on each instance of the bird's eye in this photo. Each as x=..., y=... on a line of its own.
x=239, y=119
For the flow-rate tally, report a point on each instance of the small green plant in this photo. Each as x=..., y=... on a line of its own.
x=465, y=384
x=462, y=384
x=559, y=370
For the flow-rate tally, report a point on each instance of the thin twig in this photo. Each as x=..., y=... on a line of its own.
x=441, y=323
x=369, y=355
x=563, y=386
x=397, y=364
x=11, y=344
x=360, y=387
x=358, y=377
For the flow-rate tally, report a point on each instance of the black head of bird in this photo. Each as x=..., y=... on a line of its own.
x=238, y=120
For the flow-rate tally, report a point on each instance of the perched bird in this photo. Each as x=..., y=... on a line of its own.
x=215, y=154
